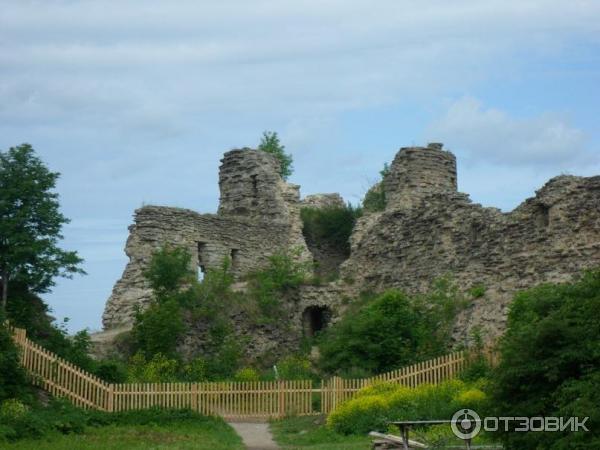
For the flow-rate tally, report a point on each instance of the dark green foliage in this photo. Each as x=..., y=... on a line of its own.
x=330, y=226
x=550, y=362
x=111, y=371
x=270, y=143
x=30, y=224
x=169, y=271
x=13, y=381
x=391, y=331
x=158, y=328
x=61, y=417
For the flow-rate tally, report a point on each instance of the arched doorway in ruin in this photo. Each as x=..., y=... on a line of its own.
x=315, y=319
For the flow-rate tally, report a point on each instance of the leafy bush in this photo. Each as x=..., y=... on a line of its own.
x=159, y=369
x=416, y=328
x=59, y=416
x=111, y=371
x=158, y=328
x=247, y=374
x=12, y=409
x=375, y=199
x=195, y=370
x=62, y=417
x=550, y=361
x=373, y=407
x=169, y=271
x=294, y=368
x=331, y=226
x=13, y=380
x=267, y=286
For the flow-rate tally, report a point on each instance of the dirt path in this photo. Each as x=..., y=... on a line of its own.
x=256, y=436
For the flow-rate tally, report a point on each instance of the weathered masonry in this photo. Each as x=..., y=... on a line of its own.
x=258, y=216
x=428, y=229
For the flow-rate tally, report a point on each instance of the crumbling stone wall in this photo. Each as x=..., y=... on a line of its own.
x=428, y=230
x=258, y=216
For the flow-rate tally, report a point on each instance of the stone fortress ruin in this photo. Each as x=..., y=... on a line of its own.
x=428, y=229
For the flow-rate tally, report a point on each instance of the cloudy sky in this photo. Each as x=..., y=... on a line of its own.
x=135, y=101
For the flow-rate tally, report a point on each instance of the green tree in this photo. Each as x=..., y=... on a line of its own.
x=30, y=224
x=550, y=362
x=270, y=143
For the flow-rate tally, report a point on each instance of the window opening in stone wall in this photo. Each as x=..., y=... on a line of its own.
x=235, y=260
x=542, y=216
x=315, y=319
x=254, y=185
x=201, y=260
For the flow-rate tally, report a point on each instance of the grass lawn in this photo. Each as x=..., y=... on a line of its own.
x=310, y=433
x=203, y=435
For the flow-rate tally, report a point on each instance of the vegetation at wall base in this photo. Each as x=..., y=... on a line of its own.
x=550, y=362
x=416, y=327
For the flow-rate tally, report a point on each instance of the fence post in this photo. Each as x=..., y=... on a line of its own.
x=281, y=386
x=111, y=398
x=194, y=402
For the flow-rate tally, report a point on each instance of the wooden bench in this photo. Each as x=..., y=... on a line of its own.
x=390, y=441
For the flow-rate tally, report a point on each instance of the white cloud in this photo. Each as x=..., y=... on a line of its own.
x=102, y=63
x=491, y=135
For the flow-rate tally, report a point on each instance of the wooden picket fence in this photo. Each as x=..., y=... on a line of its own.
x=254, y=399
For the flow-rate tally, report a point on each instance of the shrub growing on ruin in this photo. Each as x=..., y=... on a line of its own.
x=375, y=199
x=267, y=287
x=158, y=328
x=330, y=226
x=270, y=143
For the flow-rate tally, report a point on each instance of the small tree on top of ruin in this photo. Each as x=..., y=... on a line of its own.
x=270, y=143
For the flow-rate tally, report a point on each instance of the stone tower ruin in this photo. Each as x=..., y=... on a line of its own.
x=258, y=215
x=427, y=230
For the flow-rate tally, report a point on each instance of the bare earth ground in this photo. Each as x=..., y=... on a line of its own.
x=256, y=436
